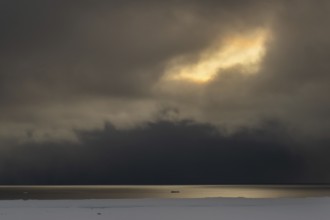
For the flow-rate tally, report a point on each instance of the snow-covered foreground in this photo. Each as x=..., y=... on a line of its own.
x=181, y=209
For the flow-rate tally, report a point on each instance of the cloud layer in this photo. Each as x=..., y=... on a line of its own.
x=158, y=153
x=69, y=66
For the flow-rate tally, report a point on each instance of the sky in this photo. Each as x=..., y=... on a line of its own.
x=164, y=92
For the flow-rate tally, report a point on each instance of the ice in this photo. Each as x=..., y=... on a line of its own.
x=161, y=209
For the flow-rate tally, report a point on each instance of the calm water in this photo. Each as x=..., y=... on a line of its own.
x=173, y=191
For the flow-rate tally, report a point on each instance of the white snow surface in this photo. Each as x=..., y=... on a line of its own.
x=161, y=209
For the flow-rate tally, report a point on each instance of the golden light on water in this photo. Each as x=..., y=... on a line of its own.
x=242, y=50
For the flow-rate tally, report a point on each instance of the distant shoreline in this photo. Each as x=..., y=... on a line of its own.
x=76, y=192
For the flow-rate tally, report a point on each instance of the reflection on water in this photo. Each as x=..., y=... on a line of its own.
x=172, y=191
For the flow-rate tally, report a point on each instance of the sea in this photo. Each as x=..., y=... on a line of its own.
x=163, y=191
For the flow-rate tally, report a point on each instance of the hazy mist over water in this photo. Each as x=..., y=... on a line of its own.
x=165, y=191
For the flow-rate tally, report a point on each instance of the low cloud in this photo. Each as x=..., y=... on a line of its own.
x=164, y=152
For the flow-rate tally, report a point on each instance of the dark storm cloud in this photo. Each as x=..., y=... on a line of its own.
x=293, y=84
x=115, y=48
x=59, y=58
x=72, y=65
x=159, y=153
x=297, y=74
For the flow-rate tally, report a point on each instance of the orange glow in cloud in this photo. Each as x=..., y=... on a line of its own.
x=245, y=51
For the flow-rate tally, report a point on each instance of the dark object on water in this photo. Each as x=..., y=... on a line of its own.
x=175, y=191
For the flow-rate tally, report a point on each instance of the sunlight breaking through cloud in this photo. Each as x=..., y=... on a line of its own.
x=241, y=50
